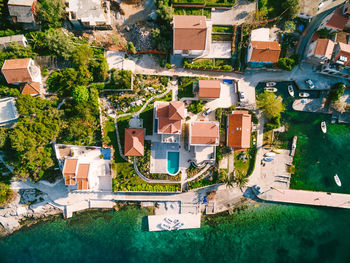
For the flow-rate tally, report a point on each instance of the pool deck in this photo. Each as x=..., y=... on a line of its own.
x=190, y=221
x=307, y=198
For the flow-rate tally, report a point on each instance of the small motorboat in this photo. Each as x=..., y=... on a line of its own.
x=291, y=90
x=165, y=226
x=304, y=94
x=270, y=154
x=270, y=89
x=269, y=159
x=270, y=84
x=337, y=180
x=277, y=151
x=168, y=220
x=324, y=127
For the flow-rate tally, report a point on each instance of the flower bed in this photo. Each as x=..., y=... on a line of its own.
x=205, y=64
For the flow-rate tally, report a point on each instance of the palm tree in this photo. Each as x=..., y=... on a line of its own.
x=228, y=179
x=240, y=180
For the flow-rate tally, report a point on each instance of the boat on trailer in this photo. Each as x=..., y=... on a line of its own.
x=304, y=94
x=337, y=180
x=324, y=127
x=270, y=84
x=269, y=89
x=291, y=90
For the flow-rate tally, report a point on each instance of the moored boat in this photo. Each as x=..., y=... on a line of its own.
x=277, y=151
x=291, y=90
x=304, y=94
x=324, y=127
x=270, y=154
x=270, y=84
x=337, y=180
x=269, y=159
x=270, y=89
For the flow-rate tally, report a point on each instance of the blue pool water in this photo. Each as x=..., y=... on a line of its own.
x=173, y=162
x=106, y=154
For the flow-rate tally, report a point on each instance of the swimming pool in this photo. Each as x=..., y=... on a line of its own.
x=173, y=162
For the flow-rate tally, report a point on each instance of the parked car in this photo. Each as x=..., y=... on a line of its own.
x=207, y=112
x=310, y=83
x=241, y=96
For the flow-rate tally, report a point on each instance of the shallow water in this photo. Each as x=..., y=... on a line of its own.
x=318, y=156
x=267, y=233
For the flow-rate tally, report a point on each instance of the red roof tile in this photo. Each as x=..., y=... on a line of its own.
x=190, y=32
x=70, y=166
x=324, y=47
x=239, y=129
x=16, y=70
x=337, y=20
x=32, y=88
x=173, y=110
x=344, y=51
x=82, y=176
x=134, y=142
x=209, y=88
x=265, y=51
x=204, y=133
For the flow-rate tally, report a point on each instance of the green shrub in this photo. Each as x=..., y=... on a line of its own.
x=5, y=193
x=196, y=107
x=131, y=48
x=336, y=92
x=286, y=63
x=274, y=123
x=120, y=79
x=168, y=65
x=80, y=94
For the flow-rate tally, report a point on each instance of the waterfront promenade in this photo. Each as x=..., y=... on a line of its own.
x=306, y=198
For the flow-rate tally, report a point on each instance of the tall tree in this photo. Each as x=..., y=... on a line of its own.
x=271, y=106
x=51, y=13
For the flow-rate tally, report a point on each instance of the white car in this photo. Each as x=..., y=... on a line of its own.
x=310, y=83
x=241, y=96
x=207, y=112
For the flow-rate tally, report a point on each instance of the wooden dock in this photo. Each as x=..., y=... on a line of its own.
x=306, y=198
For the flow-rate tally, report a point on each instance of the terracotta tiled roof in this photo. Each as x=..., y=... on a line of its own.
x=190, y=32
x=16, y=70
x=70, y=166
x=342, y=37
x=337, y=20
x=82, y=175
x=176, y=110
x=324, y=47
x=166, y=110
x=32, y=88
x=344, y=51
x=265, y=51
x=209, y=88
x=315, y=36
x=204, y=133
x=239, y=129
x=134, y=142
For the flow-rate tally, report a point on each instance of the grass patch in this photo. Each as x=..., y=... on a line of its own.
x=147, y=117
x=222, y=62
x=185, y=87
x=221, y=37
x=222, y=29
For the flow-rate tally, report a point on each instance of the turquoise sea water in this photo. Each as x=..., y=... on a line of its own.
x=268, y=233
x=318, y=156
x=173, y=162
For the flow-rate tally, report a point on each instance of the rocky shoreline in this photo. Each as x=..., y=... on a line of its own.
x=28, y=206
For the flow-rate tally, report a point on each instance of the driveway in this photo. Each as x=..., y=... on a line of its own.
x=234, y=16
x=228, y=97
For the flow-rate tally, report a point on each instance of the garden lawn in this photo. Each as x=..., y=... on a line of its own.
x=185, y=87
x=222, y=29
x=221, y=37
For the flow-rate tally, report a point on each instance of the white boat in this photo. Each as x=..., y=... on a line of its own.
x=268, y=159
x=291, y=90
x=165, y=226
x=324, y=127
x=168, y=220
x=270, y=84
x=337, y=180
x=270, y=89
x=270, y=154
x=304, y=94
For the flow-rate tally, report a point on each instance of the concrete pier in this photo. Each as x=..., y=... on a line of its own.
x=306, y=198
x=189, y=221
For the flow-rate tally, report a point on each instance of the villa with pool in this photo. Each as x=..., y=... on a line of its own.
x=176, y=143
